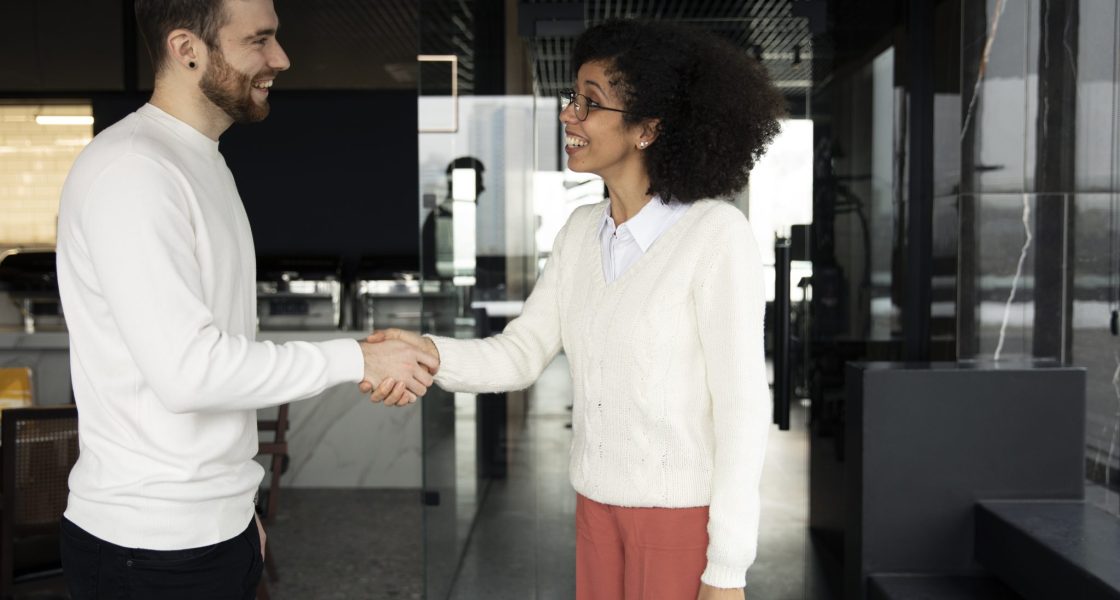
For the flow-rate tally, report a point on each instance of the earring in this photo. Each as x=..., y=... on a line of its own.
x=191, y=64
x=642, y=144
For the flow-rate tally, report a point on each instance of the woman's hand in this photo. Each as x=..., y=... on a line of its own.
x=410, y=337
x=708, y=592
x=388, y=389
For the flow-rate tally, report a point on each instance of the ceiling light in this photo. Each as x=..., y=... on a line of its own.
x=63, y=120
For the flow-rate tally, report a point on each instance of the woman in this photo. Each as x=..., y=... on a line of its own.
x=657, y=298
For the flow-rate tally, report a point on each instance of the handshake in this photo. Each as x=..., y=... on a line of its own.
x=399, y=366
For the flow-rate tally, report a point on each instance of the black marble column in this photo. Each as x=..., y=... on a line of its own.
x=919, y=242
x=1056, y=137
x=974, y=31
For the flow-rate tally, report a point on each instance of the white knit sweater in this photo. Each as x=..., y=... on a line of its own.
x=158, y=280
x=672, y=407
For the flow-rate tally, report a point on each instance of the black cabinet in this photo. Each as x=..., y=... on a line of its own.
x=61, y=45
x=925, y=442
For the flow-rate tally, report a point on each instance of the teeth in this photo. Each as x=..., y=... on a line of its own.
x=575, y=141
x=263, y=85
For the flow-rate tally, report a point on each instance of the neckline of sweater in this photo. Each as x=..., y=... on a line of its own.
x=669, y=237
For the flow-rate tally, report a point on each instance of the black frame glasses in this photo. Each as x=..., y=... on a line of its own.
x=584, y=107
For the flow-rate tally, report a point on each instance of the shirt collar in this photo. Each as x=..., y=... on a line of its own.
x=648, y=224
x=606, y=224
x=188, y=135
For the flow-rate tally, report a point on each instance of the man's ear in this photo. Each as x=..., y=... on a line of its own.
x=186, y=49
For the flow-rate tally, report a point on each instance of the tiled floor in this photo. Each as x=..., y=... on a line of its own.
x=347, y=545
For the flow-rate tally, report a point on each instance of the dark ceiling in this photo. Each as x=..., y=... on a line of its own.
x=374, y=43
x=778, y=32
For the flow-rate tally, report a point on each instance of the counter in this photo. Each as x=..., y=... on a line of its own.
x=336, y=439
x=48, y=356
x=923, y=442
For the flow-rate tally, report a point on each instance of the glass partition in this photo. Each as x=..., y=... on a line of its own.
x=1040, y=203
x=480, y=190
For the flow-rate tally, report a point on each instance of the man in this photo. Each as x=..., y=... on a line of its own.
x=157, y=274
x=435, y=234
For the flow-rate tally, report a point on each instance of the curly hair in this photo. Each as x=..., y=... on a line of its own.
x=717, y=108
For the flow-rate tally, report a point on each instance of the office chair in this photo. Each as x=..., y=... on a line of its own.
x=269, y=499
x=39, y=445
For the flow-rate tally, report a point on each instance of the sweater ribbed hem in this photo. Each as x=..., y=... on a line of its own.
x=689, y=488
x=724, y=576
x=172, y=526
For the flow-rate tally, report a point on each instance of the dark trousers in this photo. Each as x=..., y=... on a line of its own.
x=96, y=569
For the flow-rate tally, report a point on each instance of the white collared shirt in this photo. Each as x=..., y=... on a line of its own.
x=625, y=244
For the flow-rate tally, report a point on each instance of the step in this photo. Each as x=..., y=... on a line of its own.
x=1050, y=549
x=937, y=587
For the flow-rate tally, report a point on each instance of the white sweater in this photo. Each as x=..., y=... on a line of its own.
x=157, y=273
x=672, y=406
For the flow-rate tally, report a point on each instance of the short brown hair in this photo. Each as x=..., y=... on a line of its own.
x=158, y=18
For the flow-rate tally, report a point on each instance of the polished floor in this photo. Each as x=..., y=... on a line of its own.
x=347, y=545
x=385, y=544
x=524, y=539
x=369, y=543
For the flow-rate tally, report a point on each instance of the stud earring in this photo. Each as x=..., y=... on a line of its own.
x=642, y=144
x=191, y=64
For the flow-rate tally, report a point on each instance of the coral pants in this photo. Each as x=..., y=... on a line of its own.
x=639, y=553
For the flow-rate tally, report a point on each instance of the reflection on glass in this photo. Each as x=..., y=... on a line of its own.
x=466, y=183
x=1095, y=294
x=1005, y=282
x=478, y=192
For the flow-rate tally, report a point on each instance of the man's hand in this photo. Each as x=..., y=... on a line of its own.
x=403, y=371
x=388, y=390
x=412, y=338
x=708, y=592
x=260, y=533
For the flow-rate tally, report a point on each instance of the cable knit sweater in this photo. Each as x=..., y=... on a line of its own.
x=671, y=406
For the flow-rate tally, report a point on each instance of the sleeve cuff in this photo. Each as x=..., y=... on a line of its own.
x=724, y=576
x=345, y=363
x=441, y=378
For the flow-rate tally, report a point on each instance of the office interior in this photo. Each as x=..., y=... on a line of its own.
x=940, y=223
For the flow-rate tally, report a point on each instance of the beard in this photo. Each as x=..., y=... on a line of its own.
x=231, y=90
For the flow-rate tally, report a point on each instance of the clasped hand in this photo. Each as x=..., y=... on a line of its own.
x=399, y=366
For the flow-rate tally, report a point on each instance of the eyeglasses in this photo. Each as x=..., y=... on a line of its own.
x=582, y=104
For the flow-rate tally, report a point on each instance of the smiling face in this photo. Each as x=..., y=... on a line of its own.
x=603, y=143
x=245, y=63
